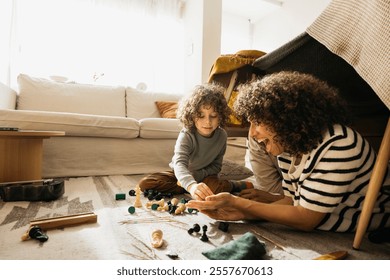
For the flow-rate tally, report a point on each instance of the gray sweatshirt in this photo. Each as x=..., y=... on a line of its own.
x=196, y=157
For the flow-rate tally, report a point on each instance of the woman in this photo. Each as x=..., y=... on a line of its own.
x=325, y=165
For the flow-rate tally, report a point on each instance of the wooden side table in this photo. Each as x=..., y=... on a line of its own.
x=21, y=154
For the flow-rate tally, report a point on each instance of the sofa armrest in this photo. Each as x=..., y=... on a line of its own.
x=7, y=97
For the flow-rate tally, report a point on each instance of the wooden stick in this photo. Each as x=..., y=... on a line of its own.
x=33, y=182
x=376, y=180
x=270, y=240
x=65, y=221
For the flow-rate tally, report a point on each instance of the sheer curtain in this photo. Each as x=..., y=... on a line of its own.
x=100, y=41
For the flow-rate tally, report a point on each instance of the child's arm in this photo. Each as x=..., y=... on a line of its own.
x=180, y=160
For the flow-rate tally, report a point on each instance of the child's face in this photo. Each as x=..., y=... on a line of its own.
x=207, y=122
x=261, y=133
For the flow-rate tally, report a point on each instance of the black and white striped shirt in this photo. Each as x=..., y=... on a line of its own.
x=333, y=179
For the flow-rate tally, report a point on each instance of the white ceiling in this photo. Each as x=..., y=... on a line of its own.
x=250, y=9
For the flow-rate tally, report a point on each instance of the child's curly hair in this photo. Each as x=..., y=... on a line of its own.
x=210, y=94
x=297, y=107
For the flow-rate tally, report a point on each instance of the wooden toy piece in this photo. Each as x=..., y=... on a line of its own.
x=157, y=238
x=172, y=254
x=131, y=209
x=120, y=196
x=204, y=236
x=223, y=226
x=35, y=232
x=195, y=228
x=174, y=201
x=181, y=207
x=160, y=203
x=165, y=207
x=149, y=204
x=192, y=210
x=339, y=255
x=137, y=202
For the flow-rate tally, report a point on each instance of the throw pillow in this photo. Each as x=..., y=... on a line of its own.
x=167, y=109
x=233, y=171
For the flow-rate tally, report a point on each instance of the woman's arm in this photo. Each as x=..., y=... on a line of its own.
x=225, y=206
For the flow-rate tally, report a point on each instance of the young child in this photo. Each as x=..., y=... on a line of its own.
x=199, y=148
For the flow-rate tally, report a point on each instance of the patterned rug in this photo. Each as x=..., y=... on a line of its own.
x=119, y=235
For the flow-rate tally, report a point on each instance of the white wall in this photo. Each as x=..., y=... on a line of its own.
x=203, y=43
x=286, y=23
x=211, y=33
x=236, y=34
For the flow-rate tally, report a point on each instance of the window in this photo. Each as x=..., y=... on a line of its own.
x=106, y=42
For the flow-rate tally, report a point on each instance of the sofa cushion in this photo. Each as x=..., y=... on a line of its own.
x=72, y=124
x=141, y=104
x=159, y=128
x=7, y=97
x=40, y=94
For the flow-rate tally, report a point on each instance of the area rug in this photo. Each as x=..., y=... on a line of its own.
x=117, y=233
x=120, y=235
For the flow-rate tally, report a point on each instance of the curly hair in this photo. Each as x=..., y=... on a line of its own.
x=297, y=107
x=210, y=94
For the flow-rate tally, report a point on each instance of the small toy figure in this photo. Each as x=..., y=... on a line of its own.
x=204, y=236
x=181, y=207
x=157, y=238
x=195, y=228
x=137, y=202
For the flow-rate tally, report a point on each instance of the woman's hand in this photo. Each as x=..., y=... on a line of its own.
x=199, y=191
x=218, y=207
x=260, y=196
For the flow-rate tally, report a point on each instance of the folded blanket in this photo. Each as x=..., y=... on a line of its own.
x=230, y=62
x=247, y=247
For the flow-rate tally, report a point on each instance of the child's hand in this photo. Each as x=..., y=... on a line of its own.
x=199, y=191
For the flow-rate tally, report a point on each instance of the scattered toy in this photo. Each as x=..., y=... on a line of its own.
x=120, y=196
x=223, y=226
x=132, y=192
x=35, y=232
x=195, y=228
x=137, y=202
x=204, y=236
x=181, y=207
x=131, y=209
x=157, y=238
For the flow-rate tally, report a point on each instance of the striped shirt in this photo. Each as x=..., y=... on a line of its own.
x=333, y=179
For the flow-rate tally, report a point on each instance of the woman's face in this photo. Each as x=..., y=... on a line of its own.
x=263, y=134
x=207, y=122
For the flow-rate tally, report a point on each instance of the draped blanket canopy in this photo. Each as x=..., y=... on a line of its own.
x=359, y=32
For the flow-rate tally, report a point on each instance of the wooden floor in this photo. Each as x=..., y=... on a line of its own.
x=286, y=243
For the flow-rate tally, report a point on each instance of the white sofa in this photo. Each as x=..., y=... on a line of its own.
x=109, y=130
